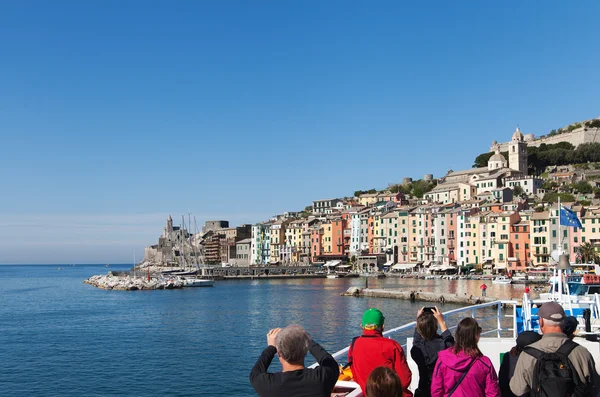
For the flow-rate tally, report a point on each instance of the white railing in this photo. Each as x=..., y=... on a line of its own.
x=472, y=309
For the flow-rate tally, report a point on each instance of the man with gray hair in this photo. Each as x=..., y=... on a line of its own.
x=573, y=357
x=291, y=345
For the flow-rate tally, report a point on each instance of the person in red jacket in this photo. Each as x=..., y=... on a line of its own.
x=372, y=350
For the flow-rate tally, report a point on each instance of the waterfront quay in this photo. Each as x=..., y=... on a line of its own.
x=264, y=272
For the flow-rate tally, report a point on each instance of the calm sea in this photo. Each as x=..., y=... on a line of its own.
x=60, y=337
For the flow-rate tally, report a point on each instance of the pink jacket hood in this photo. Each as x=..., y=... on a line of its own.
x=480, y=381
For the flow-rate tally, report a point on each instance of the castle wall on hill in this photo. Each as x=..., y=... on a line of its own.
x=575, y=138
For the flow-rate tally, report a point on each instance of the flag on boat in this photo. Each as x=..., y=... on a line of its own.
x=568, y=217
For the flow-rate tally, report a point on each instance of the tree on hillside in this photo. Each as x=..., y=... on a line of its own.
x=518, y=190
x=593, y=124
x=371, y=191
x=583, y=187
x=552, y=197
x=482, y=160
x=420, y=187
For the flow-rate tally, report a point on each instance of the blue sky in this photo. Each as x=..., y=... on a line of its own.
x=114, y=114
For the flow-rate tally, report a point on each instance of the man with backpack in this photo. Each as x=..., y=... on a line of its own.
x=555, y=366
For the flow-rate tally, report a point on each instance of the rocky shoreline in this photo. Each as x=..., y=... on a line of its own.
x=128, y=283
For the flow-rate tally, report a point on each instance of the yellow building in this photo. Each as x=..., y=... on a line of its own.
x=540, y=237
x=327, y=238
x=277, y=237
x=591, y=227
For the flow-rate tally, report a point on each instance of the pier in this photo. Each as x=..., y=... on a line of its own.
x=412, y=295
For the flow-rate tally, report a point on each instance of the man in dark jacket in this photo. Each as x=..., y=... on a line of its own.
x=427, y=343
x=291, y=345
x=372, y=350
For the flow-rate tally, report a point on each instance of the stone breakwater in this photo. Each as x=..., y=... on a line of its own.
x=127, y=283
x=417, y=296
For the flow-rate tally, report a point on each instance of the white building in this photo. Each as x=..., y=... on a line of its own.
x=260, y=244
x=530, y=184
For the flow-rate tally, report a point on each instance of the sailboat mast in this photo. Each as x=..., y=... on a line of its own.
x=183, y=241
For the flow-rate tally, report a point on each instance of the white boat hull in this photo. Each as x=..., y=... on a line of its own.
x=198, y=283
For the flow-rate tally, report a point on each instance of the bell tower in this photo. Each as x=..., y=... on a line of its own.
x=517, y=153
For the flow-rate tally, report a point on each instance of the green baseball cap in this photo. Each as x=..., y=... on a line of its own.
x=372, y=317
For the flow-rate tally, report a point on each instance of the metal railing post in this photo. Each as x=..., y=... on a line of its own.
x=499, y=319
x=515, y=331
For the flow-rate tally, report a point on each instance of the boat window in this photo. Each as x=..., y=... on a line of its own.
x=578, y=289
x=594, y=290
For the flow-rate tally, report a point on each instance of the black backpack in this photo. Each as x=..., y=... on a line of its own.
x=554, y=375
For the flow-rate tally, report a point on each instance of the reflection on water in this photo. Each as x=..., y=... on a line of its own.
x=461, y=287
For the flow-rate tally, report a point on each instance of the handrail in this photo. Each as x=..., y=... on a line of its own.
x=472, y=308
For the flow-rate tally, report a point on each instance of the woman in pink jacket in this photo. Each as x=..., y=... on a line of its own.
x=462, y=370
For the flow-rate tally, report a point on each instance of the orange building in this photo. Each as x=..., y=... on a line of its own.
x=519, y=253
x=337, y=237
x=316, y=243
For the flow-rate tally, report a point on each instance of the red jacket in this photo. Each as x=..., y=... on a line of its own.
x=373, y=350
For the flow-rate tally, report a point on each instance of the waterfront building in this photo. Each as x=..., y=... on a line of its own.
x=230, y=236
x=327, y=236
x=440, y=236
x=591, y=227
x=403, y=230
x=365, y=230
x=243, y=253
x=355, y=233
x=316, y=237
x=291, y=250
x=463, y=220
x=540, y=232
x=277, y=241
x=476, y=240
x=378, y=238
x=389, y=231
x=261, y=243
x=519, y=253
x=501, y=246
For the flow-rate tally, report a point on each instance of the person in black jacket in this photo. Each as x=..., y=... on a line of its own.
x=291, y=345
x=509, y=361
x=427, y=344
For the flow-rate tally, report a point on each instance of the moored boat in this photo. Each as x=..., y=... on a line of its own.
x=196, y=282
x=501, y=280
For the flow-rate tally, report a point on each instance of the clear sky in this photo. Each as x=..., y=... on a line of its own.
x=114, y=114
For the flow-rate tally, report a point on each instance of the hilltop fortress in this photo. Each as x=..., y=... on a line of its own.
x=576, y=137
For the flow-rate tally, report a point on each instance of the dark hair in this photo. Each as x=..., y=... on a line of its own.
x=466, y=337
x=427, y=325
x=383, y=382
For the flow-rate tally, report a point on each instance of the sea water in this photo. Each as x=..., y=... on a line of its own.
x=60, y=337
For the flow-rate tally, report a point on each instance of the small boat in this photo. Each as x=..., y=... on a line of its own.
x=196, y=282
x=333, y=275
x=501, y=280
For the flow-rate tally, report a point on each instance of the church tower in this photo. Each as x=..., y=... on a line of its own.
x=169, y=229
x=517, y=153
